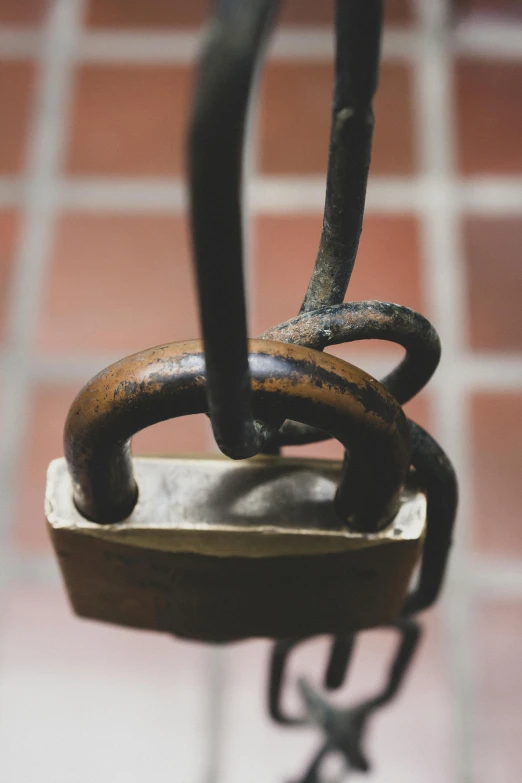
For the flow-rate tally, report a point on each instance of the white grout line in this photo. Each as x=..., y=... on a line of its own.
x=482, y=372
x=29, y=271
x=285, y=195
x=317, y=44
x=497, y=578
x=445, y=285
x=489, y=39
x=30, y=568
x=471, y=38
x=313, y=44
x=18, y=43
x=487, y=196
x=217, y=675
x=100, y=194
x=490, y=196
x=11, y=192
x=135, y=48
x=65, y=369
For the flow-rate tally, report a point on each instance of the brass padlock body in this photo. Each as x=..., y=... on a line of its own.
x=217, y=550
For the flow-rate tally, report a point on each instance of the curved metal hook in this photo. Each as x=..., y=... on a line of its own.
x=436, y=475
x=215, y=157
x=370, y=320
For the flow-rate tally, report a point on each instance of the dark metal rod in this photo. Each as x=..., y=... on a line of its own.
x=340, y=657
x=278, y=661
x=215, y=159
x=358, y=28
x=436, y=475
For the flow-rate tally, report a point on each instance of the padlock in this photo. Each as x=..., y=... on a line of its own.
x=211, y=549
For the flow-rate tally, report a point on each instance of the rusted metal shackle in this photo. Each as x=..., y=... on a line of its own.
x=288, y=381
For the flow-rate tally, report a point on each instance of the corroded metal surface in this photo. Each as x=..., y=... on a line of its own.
x=288, y=381
x=352, y=321
x=217, y=550
x=371, y=320
x=358, y=28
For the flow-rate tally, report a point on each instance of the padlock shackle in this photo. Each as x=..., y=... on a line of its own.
x=288, y=381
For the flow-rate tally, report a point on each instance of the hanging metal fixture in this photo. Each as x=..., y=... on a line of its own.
x=216, y=550
x=232, y=54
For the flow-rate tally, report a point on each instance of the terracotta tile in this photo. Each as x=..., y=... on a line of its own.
x=410, y=740
x=179, y=13
x=295, y=119
x=118, y=283
x=496, y=421
x=310, y=12
x=387, y=266
x=8, y=238
x=154, y=13
x=284, y=253
x=27, y=12
x=16, y=86
x=388, y=262
x=50, y=405
x=398, y=12
x=129, y=120
x=498, y=642
x=394, y=151
x=420, y=410
x=489, y=141
x=492, y=253
x=307, y=12
x=186, y=435
x=490, y=8
x=63, y=679
x=43, y=442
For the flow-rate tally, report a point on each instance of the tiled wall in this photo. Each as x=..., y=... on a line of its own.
x=94, y=264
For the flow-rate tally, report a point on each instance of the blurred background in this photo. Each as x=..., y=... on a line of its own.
x=95, y=264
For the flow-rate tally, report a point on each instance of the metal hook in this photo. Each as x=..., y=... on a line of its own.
x=230, y=59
